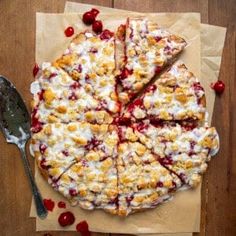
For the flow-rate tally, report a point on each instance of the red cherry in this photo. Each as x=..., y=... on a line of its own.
x=95, y=12
x=69, y=31
x=61, y=204
x=106, y=34
x=219, y=87
x=66, y=218
x=35, y=69
x=97, y=26
x=88, y=18
x=49, y=204
x=83, y=228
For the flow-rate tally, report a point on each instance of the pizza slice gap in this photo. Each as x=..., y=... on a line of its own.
x=143, y=182
x=59, y=98
x=90, y=60
x=184, y=152
x=148, y=50
x=176, y=95
x=92, y=181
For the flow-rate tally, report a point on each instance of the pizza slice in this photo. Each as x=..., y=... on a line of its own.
x=184, y=152
x=58, y=146
x=143, y=182
x=176, y=96
x=90, y=61
x=59, y=98
x=148, y=49
x=92, y=181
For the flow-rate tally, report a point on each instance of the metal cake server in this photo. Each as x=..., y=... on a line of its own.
x=15, y=125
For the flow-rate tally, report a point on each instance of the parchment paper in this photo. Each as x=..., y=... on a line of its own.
x=183, y=212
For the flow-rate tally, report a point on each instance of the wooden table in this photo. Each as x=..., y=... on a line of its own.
x=17, y=37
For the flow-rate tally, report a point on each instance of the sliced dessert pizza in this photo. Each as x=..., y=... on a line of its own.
x=90, y=61
x=58, y=146
x=58, y=98
x=143, y=182
x=148, y=49
x=176, y=95
x=184, y=152
x=91, y=183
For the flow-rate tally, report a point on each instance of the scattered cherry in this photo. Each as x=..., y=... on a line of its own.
x=106, y=34
x=83, y=228
x=219, y=87
x=49, y=204
x=61, y=204
x=97, y=26
x=66, y=218
x=69, y=31
x=88, y=18
x=95, y=12
x=35, y=69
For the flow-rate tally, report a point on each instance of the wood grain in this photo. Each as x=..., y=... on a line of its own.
x=17, y=48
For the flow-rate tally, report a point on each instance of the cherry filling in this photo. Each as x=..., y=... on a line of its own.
x=35, y=69
x=159, y=184
x=42, y=148
x=129, y=200
x=93, y=143
x=52, y=75
x=66, y=218
x=158, y=70
x=151, y=88
x=166, y=161
x=75, y=85
x=73, y=192
x=43, y=164
x=36, y=125
x=61, y=204
x=106, y=34
x=141, y=127
x=65, y=153
x=158, y=38
x=124, y=74
x=83, y=228
x=73, y=97
x=137, y=103
x=93, y=50
x=49, y=204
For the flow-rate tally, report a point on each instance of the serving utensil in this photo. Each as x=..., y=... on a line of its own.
x=15, y=125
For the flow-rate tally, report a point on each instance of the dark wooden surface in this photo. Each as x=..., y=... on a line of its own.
x=17, y=37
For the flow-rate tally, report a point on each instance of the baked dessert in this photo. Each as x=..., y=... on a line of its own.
x=148, y=50
x=176, y=95
x=102, y=154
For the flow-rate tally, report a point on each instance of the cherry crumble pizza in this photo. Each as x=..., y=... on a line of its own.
x=120, y=133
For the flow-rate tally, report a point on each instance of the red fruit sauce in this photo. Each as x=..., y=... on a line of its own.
x=97, y=26
x=219, y=87
x=61, y=204
x=49, y=204
x=42, y=148
x=83, y=228
x=69, y=31
x=66, y=218
x=106, y=34
x=35, y=69
x=72, y=192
